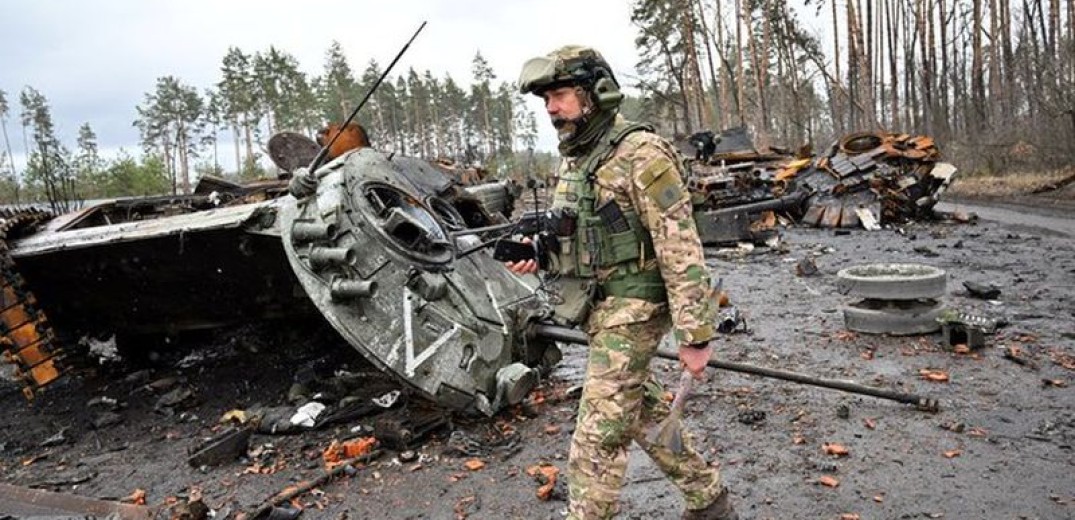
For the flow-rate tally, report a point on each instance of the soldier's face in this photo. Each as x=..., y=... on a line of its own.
x=563, y=104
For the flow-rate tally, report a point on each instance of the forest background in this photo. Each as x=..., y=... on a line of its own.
x=993, y=81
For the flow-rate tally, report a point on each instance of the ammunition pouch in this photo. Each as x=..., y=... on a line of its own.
x=576, y=300
x=644, y=285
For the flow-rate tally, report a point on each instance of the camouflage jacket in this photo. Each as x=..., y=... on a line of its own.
x=644, y=172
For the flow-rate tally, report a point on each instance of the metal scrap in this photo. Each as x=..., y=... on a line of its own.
x=864, y=180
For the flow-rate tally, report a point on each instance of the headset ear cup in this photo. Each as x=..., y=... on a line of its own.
x=607, y=93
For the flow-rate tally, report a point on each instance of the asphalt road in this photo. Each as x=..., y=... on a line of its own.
x=1000, y=448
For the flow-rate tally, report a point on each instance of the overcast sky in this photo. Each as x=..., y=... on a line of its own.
x=95, y=60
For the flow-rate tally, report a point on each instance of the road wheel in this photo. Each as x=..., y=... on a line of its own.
x=892, y=281
x=896, y=318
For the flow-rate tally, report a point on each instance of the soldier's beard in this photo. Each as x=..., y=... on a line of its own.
x=577, y=136
x=565, y=128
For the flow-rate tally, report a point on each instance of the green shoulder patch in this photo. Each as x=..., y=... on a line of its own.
x=660, y=183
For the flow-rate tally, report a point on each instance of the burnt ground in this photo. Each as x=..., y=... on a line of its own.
x=1000, y=448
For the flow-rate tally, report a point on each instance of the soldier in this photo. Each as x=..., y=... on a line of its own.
x=629, y=258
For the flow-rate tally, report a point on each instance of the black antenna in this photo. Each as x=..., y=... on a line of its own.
x=321, y=154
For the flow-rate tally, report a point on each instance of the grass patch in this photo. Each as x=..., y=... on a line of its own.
x=990, y=185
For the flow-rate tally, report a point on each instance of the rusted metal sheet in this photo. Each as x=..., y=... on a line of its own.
x=22, y=502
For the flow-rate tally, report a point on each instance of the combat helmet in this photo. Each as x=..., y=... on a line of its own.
x=572, y=65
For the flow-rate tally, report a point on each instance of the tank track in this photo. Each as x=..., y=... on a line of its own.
x=27, y=338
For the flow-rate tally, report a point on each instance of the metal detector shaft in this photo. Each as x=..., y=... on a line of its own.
x=570, y=335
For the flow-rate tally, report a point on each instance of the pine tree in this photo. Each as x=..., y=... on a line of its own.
x=8, y=170
x=171, y=121
x=87, y=159
x=49, y=165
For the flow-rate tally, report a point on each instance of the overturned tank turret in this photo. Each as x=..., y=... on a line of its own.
x=381, y=266
x=373, y=245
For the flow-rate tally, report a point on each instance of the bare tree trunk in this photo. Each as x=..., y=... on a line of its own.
x=1033, y=89
x=184, y=164
x=763, y=62
x=835, y=39
x=926, y=74
x=739, y=9
x=944, y=105
x=910, y=71
x=678, y=75
x=11, y=159
x=977, y=70
x=249, y=143
x=1008, y=100
x=893, y=26
x=995, y=109
x=836, y=120
x=868, y=58
x=716, y=118
x=852, y=66
x=760, y=121
x=693, y=73
x=1071, y=45
x=725, y=73
x=238, y=150
x=802, y=133
x=1054, y=30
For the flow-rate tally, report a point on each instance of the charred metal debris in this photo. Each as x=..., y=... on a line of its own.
x=367, y=241
x=27, y=338
x=864, y=180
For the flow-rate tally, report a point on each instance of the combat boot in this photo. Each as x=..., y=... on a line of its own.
x=720, y=509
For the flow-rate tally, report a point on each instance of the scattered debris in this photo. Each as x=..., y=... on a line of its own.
x=968, y=330
x=291, y=492
x=834, y=449
x=137, y=497
x=806, y=267
x=340, y=452
x=547, y=476
x=981, y=291
x=306, y=415
x=105, y=419
x=843, y=411
x=462, y=445
x=221, y=448
x=1062, y=358
x=751, y=417
x=936, y=376
x=730, y=320
x=474, y=464
x=402, y=431
x=55, y=440
x=828, y=481
x=180, y=397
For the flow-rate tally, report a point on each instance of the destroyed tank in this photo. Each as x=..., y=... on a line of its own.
x=376, y=245
x=865, y=179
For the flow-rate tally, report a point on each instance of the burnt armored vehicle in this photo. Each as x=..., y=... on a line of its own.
x=370, y=240
x=865, y=180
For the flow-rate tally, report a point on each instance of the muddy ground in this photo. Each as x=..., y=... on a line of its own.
x=1000, y=448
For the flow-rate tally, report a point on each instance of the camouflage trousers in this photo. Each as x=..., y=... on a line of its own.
x=621, y=401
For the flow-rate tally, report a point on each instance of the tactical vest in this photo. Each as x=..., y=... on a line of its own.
x=623, y=247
